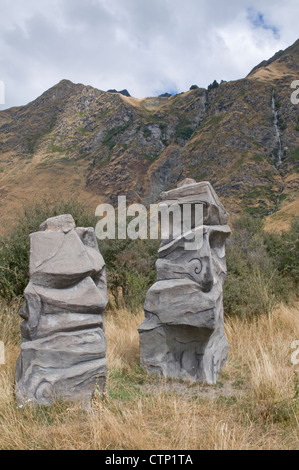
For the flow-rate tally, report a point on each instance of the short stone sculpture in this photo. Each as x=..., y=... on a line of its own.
x=63, y=352
x=182, y=335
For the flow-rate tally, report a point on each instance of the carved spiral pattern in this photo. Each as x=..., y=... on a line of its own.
x=44, y=390
x=198, y=268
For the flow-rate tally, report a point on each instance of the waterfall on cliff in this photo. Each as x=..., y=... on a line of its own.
x=277, y=133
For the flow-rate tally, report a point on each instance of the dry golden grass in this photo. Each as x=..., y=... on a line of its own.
x=281, y=220
x=140, y=412
x=21, y=182
x=272, y=72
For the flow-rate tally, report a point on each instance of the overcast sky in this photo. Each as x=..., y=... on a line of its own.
x=147, y=46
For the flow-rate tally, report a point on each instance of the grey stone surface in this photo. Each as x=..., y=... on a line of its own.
x=199, y=193
x=186, y=181
x=182, y=335
x=62, y=223
x=63, y=352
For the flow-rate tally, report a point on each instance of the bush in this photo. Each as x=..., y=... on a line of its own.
x=194, y=87
x=213, y=85
x=284, y=248
x=259, y=273
x=130, y=269
x=184, y=133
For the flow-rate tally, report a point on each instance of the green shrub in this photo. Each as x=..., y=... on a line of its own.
x=284, y=248
x=183, y=130
x=213, y=85
x=184, y=133
x=131, y=268
x=147, y=132
x=259, y=274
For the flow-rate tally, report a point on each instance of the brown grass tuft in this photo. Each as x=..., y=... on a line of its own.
x=253, y=406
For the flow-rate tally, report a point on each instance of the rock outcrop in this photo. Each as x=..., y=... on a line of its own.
x=63, y=352
x=182, y=335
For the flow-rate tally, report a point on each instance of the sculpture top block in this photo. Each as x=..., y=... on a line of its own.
x=189, y=192
x=62, y=223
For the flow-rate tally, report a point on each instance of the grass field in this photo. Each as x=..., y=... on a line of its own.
x=254, y=405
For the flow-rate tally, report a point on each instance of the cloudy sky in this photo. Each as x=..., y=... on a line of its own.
x=147, y=46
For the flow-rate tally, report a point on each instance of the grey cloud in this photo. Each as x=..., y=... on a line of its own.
x=145, y=46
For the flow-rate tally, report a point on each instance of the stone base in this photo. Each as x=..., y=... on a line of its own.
x=65, y=366
x=183, y=352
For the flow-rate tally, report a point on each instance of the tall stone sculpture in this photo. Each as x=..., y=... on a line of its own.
x=63, y=352
x=182, y=335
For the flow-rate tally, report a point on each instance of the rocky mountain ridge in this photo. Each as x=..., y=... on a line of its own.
x=81, y=142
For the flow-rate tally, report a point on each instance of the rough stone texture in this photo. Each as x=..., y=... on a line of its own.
x=186, y=181
x=182, y=335
x=63, y=353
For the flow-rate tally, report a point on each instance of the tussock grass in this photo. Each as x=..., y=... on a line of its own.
x=260, y=412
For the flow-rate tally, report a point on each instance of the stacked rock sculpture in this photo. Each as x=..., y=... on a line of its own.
x=182, y=335
x=63, y=352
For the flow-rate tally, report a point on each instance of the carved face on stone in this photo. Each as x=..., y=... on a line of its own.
x=206, y=265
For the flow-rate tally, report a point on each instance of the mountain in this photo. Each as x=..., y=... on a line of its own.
x=77, y=141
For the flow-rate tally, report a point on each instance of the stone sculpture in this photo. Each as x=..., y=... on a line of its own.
x=63, y=352
x=182, y=335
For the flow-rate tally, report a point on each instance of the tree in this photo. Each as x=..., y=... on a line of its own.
x=213, y=85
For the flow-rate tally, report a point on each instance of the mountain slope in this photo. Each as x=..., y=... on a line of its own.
x=283, y=64
x=77, y=141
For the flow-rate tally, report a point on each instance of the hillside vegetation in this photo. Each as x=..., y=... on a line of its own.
x=77, y=141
